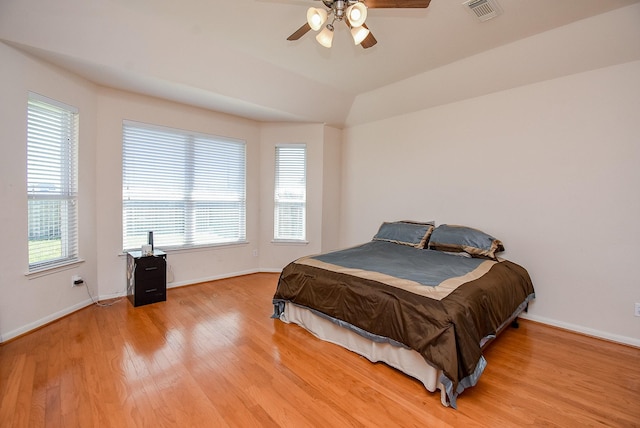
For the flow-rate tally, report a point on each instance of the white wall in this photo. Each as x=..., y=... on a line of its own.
x=323, y=153
x=28, y=302
x=185, y=267
x=331, y=190
x=31, y=301
x=552, y=169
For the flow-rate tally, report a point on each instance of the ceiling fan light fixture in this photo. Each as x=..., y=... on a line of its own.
x=354, y=14
x=316, y=18
x=325, y=37
x=359, y=34
x=357, y=14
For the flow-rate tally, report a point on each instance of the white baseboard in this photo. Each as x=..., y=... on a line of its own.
x=194, y=281
x=271, y=270
x=112, y=295
x=57, y=315
x=211, y=278
x=583, y=330
x=44, y=321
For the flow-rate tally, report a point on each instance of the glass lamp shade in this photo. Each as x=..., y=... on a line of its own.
x=316, y=17
x=359, y=34
x=325, y=37
x=357, y=14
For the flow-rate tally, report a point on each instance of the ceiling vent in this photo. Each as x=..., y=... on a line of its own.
x=483, y=9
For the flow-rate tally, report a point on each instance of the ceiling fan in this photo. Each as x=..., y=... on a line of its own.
x=353, y=13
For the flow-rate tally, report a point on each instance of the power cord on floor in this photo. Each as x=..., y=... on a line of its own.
x=97, y=302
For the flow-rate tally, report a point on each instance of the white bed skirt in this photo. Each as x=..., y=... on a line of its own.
x=406, y=360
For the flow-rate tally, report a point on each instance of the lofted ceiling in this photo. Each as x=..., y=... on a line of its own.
x=233, y=56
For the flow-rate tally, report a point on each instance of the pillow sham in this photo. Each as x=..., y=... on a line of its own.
x=405, y=233
x=431, y=223
x=458, y=239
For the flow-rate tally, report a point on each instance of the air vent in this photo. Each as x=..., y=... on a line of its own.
x=483, y=9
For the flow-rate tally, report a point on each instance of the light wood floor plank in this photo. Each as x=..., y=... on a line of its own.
x=212, y=356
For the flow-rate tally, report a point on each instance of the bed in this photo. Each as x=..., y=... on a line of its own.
x=423, y=299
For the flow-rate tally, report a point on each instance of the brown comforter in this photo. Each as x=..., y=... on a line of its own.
x=447, y=332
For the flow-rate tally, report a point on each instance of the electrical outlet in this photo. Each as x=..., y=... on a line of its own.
x=255, y=253
x=637, y=312
x=76, y=281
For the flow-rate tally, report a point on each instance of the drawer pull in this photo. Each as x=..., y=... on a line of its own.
x=151, y=268
x=151, y=290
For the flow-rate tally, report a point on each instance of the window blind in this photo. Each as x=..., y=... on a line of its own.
x=188, y=188
x=52, y=185
x=290, y=192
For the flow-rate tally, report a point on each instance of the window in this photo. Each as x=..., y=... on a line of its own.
x=52, y=185
x=290, y=193
x=187, y=188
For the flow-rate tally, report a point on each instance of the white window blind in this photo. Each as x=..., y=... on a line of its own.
x=52, y=185
x=290, y=192
x=187, y=188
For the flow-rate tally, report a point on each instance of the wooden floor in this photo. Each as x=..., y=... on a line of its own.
x=211, y=357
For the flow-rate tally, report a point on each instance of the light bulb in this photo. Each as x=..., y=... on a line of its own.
x=357, y=14
x=316, y=17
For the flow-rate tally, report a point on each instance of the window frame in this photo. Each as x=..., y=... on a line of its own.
x=49, y=142
x=277, y=202
x=185, y=201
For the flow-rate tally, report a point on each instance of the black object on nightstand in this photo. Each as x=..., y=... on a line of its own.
x=146, y=277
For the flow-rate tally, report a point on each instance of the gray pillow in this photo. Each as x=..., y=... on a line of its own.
x=409, y=233
x=465, y=239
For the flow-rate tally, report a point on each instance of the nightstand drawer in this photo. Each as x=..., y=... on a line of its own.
x=146, y=278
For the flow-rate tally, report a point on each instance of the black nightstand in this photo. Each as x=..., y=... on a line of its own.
x=146, y=277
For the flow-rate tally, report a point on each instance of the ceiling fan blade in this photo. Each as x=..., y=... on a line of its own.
x=413, y=4
x=369, y=40
x=300, y=32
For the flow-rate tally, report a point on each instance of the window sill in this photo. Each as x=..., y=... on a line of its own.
x=289, y=242
x=53, y=269
x=176, y=250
